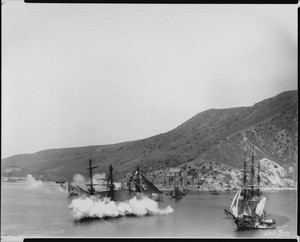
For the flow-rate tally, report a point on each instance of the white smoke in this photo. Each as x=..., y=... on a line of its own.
x=32, y=183
x=63, y=190
x=79, y=179
x=92, y=207
x=44, y=187
x=118, y=185
x=99, y=180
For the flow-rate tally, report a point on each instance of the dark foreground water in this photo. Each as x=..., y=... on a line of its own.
x=43, y=211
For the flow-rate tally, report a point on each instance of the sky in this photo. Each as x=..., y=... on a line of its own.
x=92, y=74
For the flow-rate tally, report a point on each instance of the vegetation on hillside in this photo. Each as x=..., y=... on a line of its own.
x=215, y=135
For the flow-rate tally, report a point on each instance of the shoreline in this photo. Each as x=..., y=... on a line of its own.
x=170, y=189
x=263, y=189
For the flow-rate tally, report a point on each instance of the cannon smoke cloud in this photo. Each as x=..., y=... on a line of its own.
x=92, y=207
x=33, y=183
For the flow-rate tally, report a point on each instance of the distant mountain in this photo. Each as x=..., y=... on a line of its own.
x=215, y=135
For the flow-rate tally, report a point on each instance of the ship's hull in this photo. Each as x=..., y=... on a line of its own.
x=248, y=211
x=126, y=194
x=143, y=187
x=117, y=195
x=157, y=197
x=252, y=223
x=245, y=223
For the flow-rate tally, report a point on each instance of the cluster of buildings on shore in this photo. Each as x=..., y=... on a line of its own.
x=165, y=178
x=206, y=176
x=197, y=176
x=169, y=177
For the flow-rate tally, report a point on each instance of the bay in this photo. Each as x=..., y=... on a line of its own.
x=44, y=211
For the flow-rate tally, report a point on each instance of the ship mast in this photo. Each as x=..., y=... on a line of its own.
x=252, y=171
x=258, y=176
x=245, y=172
x=92, y=190
x=138, y=182
x=138, y=174
x=111, y=183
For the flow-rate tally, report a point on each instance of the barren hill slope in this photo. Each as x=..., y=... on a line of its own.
x=218, y=135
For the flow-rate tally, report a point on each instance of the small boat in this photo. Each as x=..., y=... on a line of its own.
x=60, y=182
x=74, y=190
x=214, y=192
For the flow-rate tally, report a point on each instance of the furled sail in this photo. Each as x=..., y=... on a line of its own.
x=260, y=206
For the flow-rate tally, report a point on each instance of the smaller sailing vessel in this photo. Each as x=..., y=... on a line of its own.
x=248, y=208
x=142, y=186
x=176, y=193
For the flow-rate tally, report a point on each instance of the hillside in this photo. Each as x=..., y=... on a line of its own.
x=215, y=135
x=203, y=175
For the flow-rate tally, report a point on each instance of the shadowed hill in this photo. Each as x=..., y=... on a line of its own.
x=217, y=135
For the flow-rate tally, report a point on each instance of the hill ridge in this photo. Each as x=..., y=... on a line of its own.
x=216, y=134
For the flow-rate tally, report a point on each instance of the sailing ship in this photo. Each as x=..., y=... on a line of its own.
x=107, y=189
x=142, y=186
x=248, y=208
x=176, y=193
x=77, y=190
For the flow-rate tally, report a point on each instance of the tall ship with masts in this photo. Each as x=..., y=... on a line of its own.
x=248, y=208
x=137, y=185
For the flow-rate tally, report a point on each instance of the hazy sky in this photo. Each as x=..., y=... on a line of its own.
x=78, y=75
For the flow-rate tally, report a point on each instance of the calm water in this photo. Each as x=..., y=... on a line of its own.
x=44, y=212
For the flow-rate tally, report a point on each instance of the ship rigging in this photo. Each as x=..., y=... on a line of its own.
x=248, y=206
x=142, y=186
